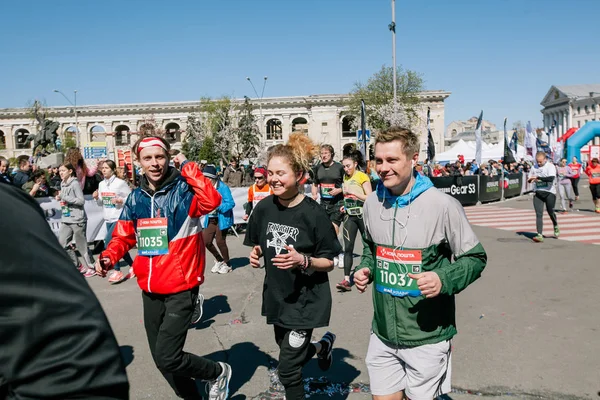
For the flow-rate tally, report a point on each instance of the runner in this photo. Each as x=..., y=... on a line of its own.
x=593, y=172
x=73, y=220
x=576, y=174
x=293, y=235
x=111, y=195
x=544, y=177
x=565, y=187
x=329, y=177
x=258, y=191
x=166, y=211
x=413, y=234
x=357, y=186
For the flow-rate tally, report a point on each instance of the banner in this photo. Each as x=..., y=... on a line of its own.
x=490, y=188
x=513, y=184
x=478, y=139
x=96, y=229
x=465, y=189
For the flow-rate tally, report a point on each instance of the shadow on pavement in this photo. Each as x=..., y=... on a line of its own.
x=126, y=354
x=528, y=235
x=239, y=262
x=212, y=307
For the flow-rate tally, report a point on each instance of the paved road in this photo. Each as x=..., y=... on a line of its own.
x=528, y=329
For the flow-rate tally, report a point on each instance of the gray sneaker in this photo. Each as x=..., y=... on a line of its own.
x=198, y=309
x=219, y=388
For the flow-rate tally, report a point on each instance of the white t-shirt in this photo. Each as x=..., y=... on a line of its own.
x=548, y=169
x=109, y=189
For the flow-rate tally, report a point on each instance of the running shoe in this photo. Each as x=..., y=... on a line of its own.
x=216, y=267
x=82, y=269
x=570, y=206
x=556, y=231
x=344, y=286
x=89, y=273
x=219, y=388
x=198, y=309
x=115, y=277
x=598, y=210
x=324, y=357
x=538, y=238
x=224, y=269
x=130, y=274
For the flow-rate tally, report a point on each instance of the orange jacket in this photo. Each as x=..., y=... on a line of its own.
x=593, y=173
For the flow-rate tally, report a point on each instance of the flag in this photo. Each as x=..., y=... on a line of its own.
x=530, y=141
x=430, y=143
x=514, y=142
x=478, y=139
x=509, y=157
x=363, y=126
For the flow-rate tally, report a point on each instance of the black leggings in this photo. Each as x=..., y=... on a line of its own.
x=295, y=350
x=352, y=224
x=542, y=197
x=574, y=183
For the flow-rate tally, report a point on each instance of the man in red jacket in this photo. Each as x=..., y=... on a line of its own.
x=162, y=217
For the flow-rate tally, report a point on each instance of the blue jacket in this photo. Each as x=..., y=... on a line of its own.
x=225, y=210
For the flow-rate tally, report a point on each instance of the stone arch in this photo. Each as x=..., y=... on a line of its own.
x=21, y=142
x=97, y=133
x=300, y=124
x=173, y=132
x=122, y=135
x=147, y=129
x=2, y=140
x=347, y=129
x=274, y=129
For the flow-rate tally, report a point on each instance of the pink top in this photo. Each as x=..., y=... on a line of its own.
x=91, y=171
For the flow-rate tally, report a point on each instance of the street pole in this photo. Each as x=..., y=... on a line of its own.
x=392, y=27
x=259, y=98
x=74, y=104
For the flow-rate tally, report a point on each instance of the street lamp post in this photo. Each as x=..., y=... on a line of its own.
x=260, y=98
x=392, y=28
x=74, y=104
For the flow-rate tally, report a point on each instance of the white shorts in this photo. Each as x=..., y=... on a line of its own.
x=423, y=372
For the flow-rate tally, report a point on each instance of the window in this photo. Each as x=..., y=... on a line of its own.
x=593, y=108
x=323, y=123
x=300, y=125
x=2, y=141
x=587, y=111
x=173, y=132
x=21, y=139
x=347, y=130
x=122, y=135
x=578, y=110
x=274, y=130
x=579, y=124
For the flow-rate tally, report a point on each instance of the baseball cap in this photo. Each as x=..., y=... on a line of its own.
x=210, y=171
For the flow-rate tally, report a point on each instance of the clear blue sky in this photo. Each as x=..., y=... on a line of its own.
x=497, y=55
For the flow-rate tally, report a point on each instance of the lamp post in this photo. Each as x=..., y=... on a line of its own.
x=74, y=104
x=392, y=28
x=260, y=98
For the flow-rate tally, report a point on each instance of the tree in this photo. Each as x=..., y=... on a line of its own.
x=246, y=139
x=194, y=138
x=378, y=94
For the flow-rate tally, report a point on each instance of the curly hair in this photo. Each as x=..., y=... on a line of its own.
x=299, y=152
x=75, y=158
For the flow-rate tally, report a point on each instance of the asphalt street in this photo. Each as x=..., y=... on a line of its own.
x=528, y=329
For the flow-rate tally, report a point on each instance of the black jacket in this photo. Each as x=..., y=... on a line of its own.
x=55, y=341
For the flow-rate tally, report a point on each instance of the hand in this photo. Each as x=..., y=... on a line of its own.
x=255, y=256
x=315, y=197
x=335, y=191
x=179, y=158
x=36, y=187
x=117, y=200
x=288, y=261
x=95, y=195
x=245, y=217
x=102, y=265
x=361, y=279
x=57, y=197
x=429, y=283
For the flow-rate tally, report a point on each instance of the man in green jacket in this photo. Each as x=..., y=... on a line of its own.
x=419, y=252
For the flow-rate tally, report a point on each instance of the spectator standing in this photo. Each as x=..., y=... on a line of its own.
x=36, y=186
x=257, y=191
x=233, y=176
x=4, y=175
x=22, y=175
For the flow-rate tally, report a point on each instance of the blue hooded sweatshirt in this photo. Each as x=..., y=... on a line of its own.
x=422, y=183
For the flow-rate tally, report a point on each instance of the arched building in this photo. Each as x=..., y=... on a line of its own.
x=116, y=126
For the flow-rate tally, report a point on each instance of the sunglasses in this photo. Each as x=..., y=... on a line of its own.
x=259, y=178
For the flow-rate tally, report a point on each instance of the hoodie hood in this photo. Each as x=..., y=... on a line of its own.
x=69, y=181
x=171, y=176
x=422, y=183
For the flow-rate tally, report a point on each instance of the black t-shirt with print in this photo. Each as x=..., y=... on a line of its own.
x=291, y=298
x=328, y=178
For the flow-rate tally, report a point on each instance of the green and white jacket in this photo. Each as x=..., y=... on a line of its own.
x=434, y=226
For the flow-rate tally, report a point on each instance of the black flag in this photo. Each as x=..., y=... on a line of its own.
x=508, y=154
x=430, y=143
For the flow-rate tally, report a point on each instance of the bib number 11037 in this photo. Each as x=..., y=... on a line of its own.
x=392, y=269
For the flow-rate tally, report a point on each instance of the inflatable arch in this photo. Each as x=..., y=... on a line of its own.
x=580, y=138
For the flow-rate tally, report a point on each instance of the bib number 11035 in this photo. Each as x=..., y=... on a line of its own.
x=152, y=239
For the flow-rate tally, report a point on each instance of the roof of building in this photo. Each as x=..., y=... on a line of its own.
x=579, y=90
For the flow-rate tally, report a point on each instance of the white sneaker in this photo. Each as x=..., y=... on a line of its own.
x=216, y=267
x=224, y=269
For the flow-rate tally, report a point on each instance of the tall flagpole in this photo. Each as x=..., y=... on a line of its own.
x=392, y=27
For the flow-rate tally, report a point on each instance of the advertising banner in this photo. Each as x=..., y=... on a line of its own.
x=465, y=189
x=513, y=183
x=96, y=229
x=489, y=188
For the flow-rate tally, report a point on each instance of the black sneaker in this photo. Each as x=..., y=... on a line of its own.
x=324, y=356
x=197, y=314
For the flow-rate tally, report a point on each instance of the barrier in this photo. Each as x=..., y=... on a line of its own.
x=96, y=229
x=490, y=188
x=513, y=185
x=465, y=189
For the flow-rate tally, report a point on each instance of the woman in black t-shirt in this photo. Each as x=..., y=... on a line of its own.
x=293, y=235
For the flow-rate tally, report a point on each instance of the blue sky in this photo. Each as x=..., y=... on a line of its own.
x=497, y=55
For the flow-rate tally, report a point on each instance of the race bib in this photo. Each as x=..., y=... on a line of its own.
x=392, y=269
x=64, y=208
x=326, y=189
x=596, y=175
x=353, y=206
x=542, y=185
x=258, y=196
x=152, y=237
x=107, y=198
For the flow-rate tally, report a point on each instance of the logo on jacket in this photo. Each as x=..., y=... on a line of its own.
x=280, y=234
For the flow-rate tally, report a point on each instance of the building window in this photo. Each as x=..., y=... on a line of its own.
x=2, y=141
x=587, y=111
x=347, y=130
x=579, y=124
x=593, y=108
x=300, y=125
x=122, y=135
x=173, y=132
x=274, y=129
x=21, y=139
x=578, y=110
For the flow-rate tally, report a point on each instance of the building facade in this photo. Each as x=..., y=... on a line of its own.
x=116, y=126
x=571, y=107
x=456, y=127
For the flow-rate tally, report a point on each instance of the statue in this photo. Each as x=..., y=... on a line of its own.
x=46, y=135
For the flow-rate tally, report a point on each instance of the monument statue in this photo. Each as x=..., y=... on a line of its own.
x=45, y=136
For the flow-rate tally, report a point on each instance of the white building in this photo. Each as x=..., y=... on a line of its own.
x=323, y=117
x=571, y=107
x=456, y=127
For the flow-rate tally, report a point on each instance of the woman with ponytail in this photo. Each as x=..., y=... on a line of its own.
x=296, y=240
